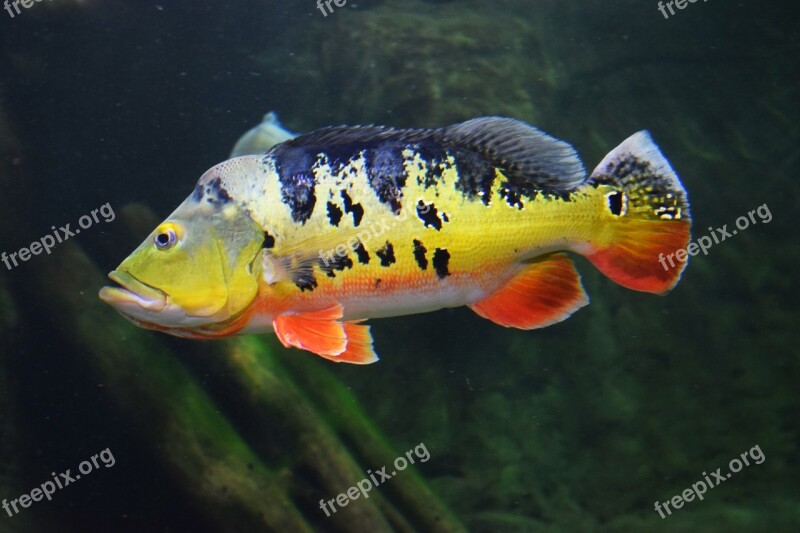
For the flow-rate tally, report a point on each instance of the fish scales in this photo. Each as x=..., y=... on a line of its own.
x=430, y=176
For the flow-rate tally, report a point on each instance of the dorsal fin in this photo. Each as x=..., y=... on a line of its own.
x=521, y=151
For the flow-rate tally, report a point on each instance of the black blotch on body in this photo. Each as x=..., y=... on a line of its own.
x=435, y=158
x=197, y=194
x=334, y=214
x=269, y=241
x=306, y=282
x=385, y=173
x=475, y=175
x=386, y=254
x=429, y=215
x=515, y=192
x=615, y=203
x=213, y=191
x=333, y=263
x=297, y=181
x=419, y=254
x=377, y=282
x=565, y=195
x=441, y=258
x=361, y=253
x=355, y=209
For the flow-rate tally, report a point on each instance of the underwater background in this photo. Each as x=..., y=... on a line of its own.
x=580, y=426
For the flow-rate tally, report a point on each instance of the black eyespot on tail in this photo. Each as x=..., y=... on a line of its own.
x=615, y=200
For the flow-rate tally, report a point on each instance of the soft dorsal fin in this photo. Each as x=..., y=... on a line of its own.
x=521, y=151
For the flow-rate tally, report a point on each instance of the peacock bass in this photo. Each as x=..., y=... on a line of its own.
x=345, y=224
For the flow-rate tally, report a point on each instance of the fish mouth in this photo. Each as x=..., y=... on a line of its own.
x=131, y=291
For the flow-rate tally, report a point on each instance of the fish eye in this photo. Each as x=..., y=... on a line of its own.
x=166, y=237
x=617, y=203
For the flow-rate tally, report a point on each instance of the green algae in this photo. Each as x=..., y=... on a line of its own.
x=199, y=446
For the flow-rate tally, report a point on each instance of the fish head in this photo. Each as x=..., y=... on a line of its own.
x=194, y=270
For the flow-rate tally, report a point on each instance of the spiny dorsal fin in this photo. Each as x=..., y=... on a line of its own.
x=521, y=151
x=333, y=136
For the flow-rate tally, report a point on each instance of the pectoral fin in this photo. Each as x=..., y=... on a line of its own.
x=323, y=333
x=545, y=292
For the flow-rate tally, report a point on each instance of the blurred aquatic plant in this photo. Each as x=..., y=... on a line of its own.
x=222, y=469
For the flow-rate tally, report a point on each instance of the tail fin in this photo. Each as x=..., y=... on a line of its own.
x=649, y=218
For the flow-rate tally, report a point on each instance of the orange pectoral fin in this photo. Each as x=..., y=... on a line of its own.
x=322, y=333
x=545, y=292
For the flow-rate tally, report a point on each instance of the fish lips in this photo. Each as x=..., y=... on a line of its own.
x=133, y=297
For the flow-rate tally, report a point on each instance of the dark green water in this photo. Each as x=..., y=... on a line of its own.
x=581, y=426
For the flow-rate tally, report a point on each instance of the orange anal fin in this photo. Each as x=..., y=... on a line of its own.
x=642, y=255
x=545, y=292
x=323, y=333
x=359, y=346
x=319, y=332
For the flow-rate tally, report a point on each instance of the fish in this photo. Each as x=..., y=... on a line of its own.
x=350, y=223
x=262, y=137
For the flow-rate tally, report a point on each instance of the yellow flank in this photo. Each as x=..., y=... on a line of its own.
x=476, y=243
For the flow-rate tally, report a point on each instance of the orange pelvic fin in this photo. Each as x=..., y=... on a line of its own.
x=323, y=333
x=545, y=292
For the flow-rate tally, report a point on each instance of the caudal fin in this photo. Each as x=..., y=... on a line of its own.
x=648, y=219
